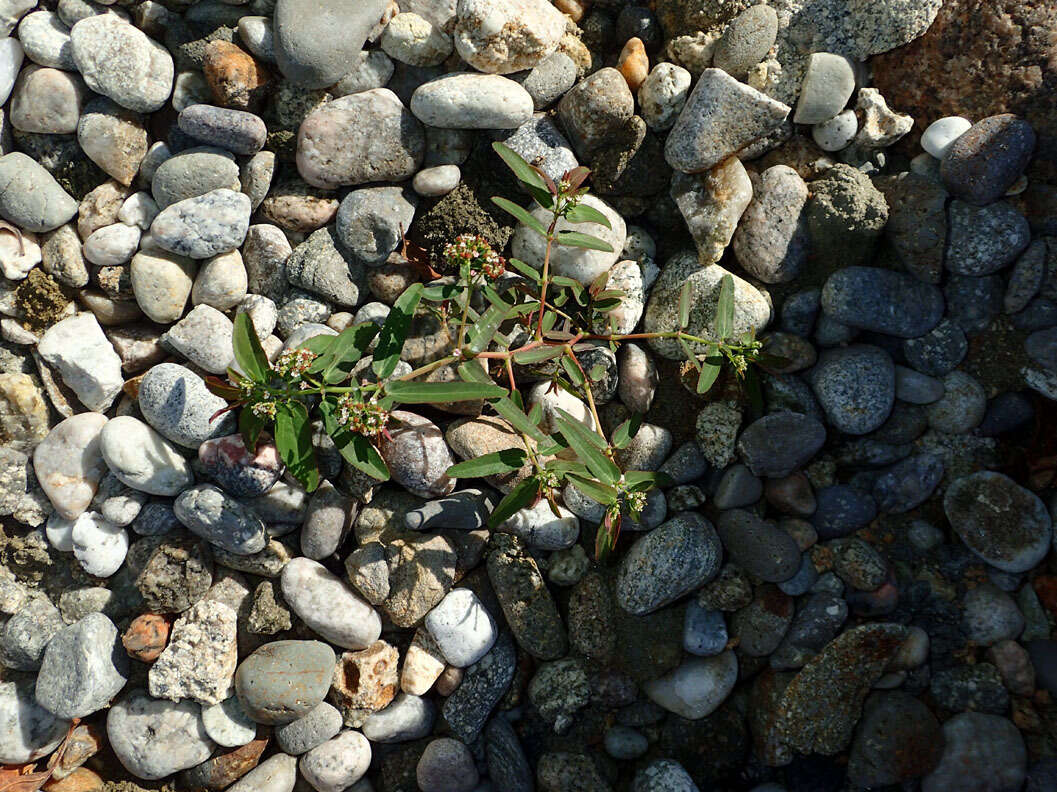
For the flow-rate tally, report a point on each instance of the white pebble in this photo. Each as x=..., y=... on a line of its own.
x=462, y=628
x=227, y=723
x=942, y=133
x=59, y=531
x=10, y=62
x=18, y=255
x=190, y=88
x=112, y=245
x=436, y=181
x=836, y=133
x=139, y=209
x=98, y=544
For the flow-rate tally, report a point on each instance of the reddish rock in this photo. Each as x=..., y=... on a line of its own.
x=365, y=681
x=237, y=471
x=225, y=769
x=236, y=78
x=146, y=637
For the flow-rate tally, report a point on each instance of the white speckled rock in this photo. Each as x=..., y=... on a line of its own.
x=69, y=465
x=538, y=526
x=98, y=544
x=463, y=629
x=10, y=63
x=836, y=133
x=411, y=39
x=199, y=661
x=579, y=263
x=139, y=209
x=697, y=687
x=663, y=94
x=112, y=245
x=85, y=359
x=827, y=87
x=161, y=282
x=204, y=338
x=504, y=36
x=117, y=60
x=278, y=774
x=328, y=606
x=203, y=226
x=27, y=730
x=941, y=133
x=227, y=723
x=472, y=101
x=722, y=116
x=143, y=459
x=154, y=738
x=338, y=763
x=711, y=204
x=84, y=667
x=175, y=401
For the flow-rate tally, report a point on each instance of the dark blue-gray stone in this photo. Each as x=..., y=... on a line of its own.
x=816, y=624
x=508, y=767
x=235, y=130
x=982, y=164
x=483, y=684
x=704, y=630
x=1006, y=412
x=759, y=547
x=855, y=386
x=841, y=510
x=777, y=444
x=984, y=240
x=939, y=351
x=973, y=302
x=1038, y=314
x=882, y=300
x=908, y=484
x=799, y=312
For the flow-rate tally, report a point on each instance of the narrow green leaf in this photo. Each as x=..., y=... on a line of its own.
x=248, y=351
x=517, y=418
x=537, y=354
x=441, y=392
x=690, y=356
x=684, y=306
x=645, y=480
x=358, y=451
x=581, y=213
x=529, y=272
x=473, y=371
x=446, y=291
x=595, y=490
x=624, y=433
x=520, y=213
x=520, y=497
x=394, y=331
x=597, y=462
x=486, y=327
x=250, y=427
x=725, y=308
x=564, y=466
x=498, y=462
x=346, y=351
x=522, y=170
x=707, y=377
x=573, y=372
x=293, y=438
x=579, y=240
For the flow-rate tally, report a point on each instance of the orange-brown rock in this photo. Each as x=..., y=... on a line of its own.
x=225, y=769
x=236, y=78
x=80, y=780
x=633, y=63
x=146, y=637
x=365, y=681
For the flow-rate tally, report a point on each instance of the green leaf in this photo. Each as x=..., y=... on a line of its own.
x=473, y=371
x=564, y=466
x=623, y=434
x=318, y=345
x=595, y=490
x=708, y=375
x=293, y=438
x=486, y=327
x=358, y=451
x=529, y=272
x=250, y=427
x=573, y=372
x=441, y=392
x=394, y=331
x=581, y=213
x=690, y=356
x=520, y=497
x=577, y=239
x=537, y=354
x=725, y=308
x=684, y=306
x=586, y=450
x=505, y=461
x=645, y=480
x=522, y=170
x=521, y=214
x=248, y=351
x=446, y=291
x=346, y=351
x=517, y=418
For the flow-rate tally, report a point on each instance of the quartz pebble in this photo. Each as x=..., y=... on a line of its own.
x=462, y=628
x=328, y=606
x=472, y=101
x=941, y=134
x=154, y=738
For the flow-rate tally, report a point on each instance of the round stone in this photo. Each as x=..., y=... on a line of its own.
x=284, y=680
x=855, y=386
x=472, y=101
x=98, y=544
x=194, y=171
x=446, y=766
x=204, y=226
x=372, y=220
x=746, y=40
x=462, y=628
x=338, y=763
x=46, y=40
x=828, y=85
x=175, y=401
x=46, y=101
x=227, y=723
x=83, y=668
x=663, y=94
x=143, y=459
x=69, y=465
x=984, y=162
x=28, y=732
x=154, y=738
x=328, y=606
x=697, y=687
x=941, y=134
x=315, y=46
x=118, y=61
x=836, y=133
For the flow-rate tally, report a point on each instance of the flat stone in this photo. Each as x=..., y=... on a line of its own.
x=84, y=667
x=472, y=101
x=28, y=732
x=525, y=599
x=721, y=117
x=175, y=401
x=984, y=240
x=30, y=197
x=883, y=301
x=235, y=130
x=203, y=226
x=284, y=680
x=154, y=738
x=697, y=687
x=117, y=60
x=204, y=338
x=780, y=443
x=68, y=463
x=328, y=606
x=207, y=512
x=194, y=171
x=310, y=730
x=855, y=386
x=483, y=684
x=759, y=547
x=407, y=718
x=85, y=359
x=981, y=164
x=317, y=46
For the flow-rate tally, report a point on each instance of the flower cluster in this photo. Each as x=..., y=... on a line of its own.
x=293, y=363
x=473, y=250
x=265, y=409
x=363, y=417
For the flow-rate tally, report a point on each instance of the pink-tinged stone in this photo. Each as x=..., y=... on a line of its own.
x=417, y=455
x=69, y=464
x=240, y=473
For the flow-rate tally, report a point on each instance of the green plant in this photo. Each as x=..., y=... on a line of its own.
x=522, y=318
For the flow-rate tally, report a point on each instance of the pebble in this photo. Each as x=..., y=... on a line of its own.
x=721, y=117
x=908, y=484
x=667, y=563
x=227, y=724
x=737, y=487
x=194, y=171
x=548, y=80
x=161, y=283
x=937, y=352
x=143, y=459
x=373, y=70
x=984, y=240
x=410, y=39
x=746, y=40
x=991, y=615
x=855, y=386
x=704, y=630
x=837, y=133
x=594, y=109
x=26, y=634
x=84, y=358
x=204, y=338
x=68, y=463
x=120, y=62
x=47, y=101
x=697, y=687
x=841, y=510
x=203, y=226
x=881, y=126
x=777, y=444
x=114, y=138
x=712, y=204
x=154, y=738
x=323, y=266
x=175, y=401
x=437, y=181
x=1000, y=521
x=112, y=245
x=446, y=766
x=417, y=455
x=663, y=775
x=370, y=222
x=284, y=680
x=759, y=547
x=541, y=529
x=663, y=94
x=980, y=750
x=329, y=607
x=771, y=239
x=940, y=135
x=46, y=40
x=83, y=668
x=527, y=604
x=207, y=512
x=327, y=522
x=310, y=730
x=898, y=740
x=221, y=282
x=235, y=130
x=277, y=774
x=30, y=197
x=407, y=718
x=27, y=731
x=982, y=163
x=462, y=628
x=314, y=48
x=98, y=545
x=500, y=37
x=338, y=763
x=883, y=301
x=364, y=137
x=200, y=658
x=472, y=101
x=538, y=140
x=962, y=406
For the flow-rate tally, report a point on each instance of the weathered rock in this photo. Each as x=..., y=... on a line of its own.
x=154, y=738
